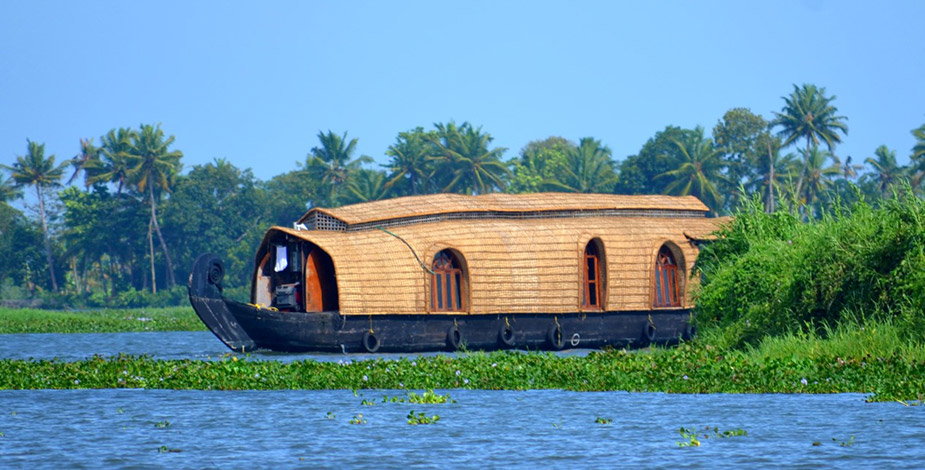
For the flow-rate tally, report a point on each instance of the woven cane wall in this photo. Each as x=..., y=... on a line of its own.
x=514, y=266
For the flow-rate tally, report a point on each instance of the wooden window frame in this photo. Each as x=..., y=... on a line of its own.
x=447, y=283
x=666, y=284
x=588, y=284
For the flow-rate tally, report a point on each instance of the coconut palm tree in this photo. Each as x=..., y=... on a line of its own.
x=808, y=114
x=885, y=169
x=772, y=171
x=9, y=191
x=588, y=169
x=465, y=163
x=111, y=166
x=332, y=164
x=152, y=167
x=88, y=153
x=33, y=169
x=411, y=166
x=367, y=185
x=817, y=176
x=697, y=170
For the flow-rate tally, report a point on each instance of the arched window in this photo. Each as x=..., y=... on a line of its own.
x=593, y=281
x=447, y=283
x=667, y=291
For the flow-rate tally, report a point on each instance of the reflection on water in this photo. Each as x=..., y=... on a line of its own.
x=543, y=428
x=483, y=429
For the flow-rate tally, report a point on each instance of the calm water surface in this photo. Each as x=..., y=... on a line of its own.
x=483, y=429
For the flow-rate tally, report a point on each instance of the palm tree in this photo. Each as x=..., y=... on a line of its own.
x=151, y=169
x=113, y=161
x=588, y=169
x=367, y=185
x=918, y=157
x=697, y=169
x=332, y=164
x=885, y=168
x=36, y=170
x=818, y=177
x=9, y=191
x=918, y=151
x=466, y=162
x=808, y=114
x=88, y=153
x=410, y=166
x=772, y=171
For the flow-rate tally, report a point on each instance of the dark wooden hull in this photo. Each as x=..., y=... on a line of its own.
x=244, y=327
x=330, y=331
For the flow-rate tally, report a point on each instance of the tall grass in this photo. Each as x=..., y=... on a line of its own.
x=772, y=275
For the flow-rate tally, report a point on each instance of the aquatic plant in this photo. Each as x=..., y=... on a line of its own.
x=330, y=415
x=357, y=419
x=429, y=397
x=421, y=418
x=162, y=424
x=688, y=368
x=99, y=321
x=600, y=420
x=691, y=437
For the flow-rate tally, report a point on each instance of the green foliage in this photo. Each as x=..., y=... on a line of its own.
x=638, y=173
x=421, y=418
x=22, y=260
x=693, y=438
x=465, y=163
x=99, y=321
x=770, y=274
x=411, y=163
x=539, y=165
x=333, y=166
x=696, y=170
x=213, y=209
x=588, y=169
x=689, y=368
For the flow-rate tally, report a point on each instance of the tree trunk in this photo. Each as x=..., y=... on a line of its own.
x=151, y=254
x=170, y=277
x=51, y=263
x=803, y=172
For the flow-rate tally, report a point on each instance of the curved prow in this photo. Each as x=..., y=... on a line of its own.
x=205, y=294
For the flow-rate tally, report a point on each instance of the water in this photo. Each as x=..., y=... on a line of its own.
x=483, y=429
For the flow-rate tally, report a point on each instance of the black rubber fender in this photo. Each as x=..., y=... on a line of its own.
x=506, y=336
x=454, y=338
x=371, y=342
x=648, y=333
x=555, y=337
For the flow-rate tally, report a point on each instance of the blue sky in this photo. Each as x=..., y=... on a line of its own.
x=254, y=82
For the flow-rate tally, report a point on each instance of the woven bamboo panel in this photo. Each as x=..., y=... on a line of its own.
x=417, y=206
x=513, y=265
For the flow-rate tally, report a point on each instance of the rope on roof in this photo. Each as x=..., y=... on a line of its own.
x=425, y=268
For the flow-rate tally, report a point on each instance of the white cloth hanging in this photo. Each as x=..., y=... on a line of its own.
x=282, y=261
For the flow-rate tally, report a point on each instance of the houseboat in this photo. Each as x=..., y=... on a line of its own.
x=446, y=272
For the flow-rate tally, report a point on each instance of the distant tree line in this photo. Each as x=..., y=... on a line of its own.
x=135, y=225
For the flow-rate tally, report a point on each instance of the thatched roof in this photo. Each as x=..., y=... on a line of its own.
x=436, y=204
x=514, y=265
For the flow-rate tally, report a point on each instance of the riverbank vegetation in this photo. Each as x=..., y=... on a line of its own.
x=25, y=320
x=857, y=268
x=128, y=222
x=685, y=369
